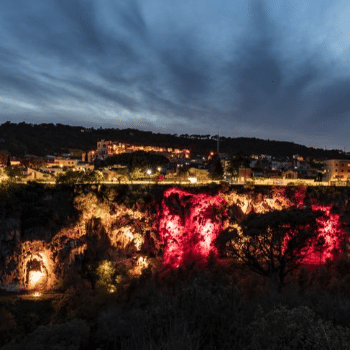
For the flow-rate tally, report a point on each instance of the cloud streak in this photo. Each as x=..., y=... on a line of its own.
x=242, y=69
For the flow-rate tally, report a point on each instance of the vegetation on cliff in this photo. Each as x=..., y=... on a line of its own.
x=126, y=267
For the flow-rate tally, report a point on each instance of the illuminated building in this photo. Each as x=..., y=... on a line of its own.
x=290, y=174
x=244, y=174
x=15, y=163
x=34, y=174
x=89, y=156
x=109, y=148
x=61, y=162
x=337, y=169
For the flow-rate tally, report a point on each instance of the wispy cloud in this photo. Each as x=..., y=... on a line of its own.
x=256, y=68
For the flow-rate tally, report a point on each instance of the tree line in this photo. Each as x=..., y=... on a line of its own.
x=42, y=139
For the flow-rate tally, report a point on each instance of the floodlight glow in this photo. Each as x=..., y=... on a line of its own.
x=192, y=180
x=35, y=276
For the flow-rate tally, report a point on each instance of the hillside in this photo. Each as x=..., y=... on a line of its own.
x=60, y=229
x=42, y=139
x=147, y=267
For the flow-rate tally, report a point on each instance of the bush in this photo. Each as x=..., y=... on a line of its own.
x=67, y=336
x=78, y=302
x=7, y=326
x=105, y=276
x=297, y=329
x=201, y=314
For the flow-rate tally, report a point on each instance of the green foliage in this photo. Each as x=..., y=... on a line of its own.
x=138, y=161
x=46, y=139
x=78, y=301
x=296, y=329
x=66, y=336
x=147, y=160
x=138, y=174
x=332, y=278
x=7, y=326
x=75, y=177
x=105, y=276
x=179, y=308
x=195, y=317
x=40, y=209
x=14, y=173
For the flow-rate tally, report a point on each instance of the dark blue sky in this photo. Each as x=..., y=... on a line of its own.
x=268, y=69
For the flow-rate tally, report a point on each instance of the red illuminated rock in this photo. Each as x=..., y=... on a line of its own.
x=188, y=226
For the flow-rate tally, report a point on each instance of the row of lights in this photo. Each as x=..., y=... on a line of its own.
x=149, y=171
x=191, y=179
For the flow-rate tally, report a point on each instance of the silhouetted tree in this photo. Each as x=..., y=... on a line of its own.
x=183, y=171
x=217, y=169
x=275, y=244
x=13, y=173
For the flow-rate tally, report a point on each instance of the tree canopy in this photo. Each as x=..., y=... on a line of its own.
x=137, y=160
x=43, y=139
x=275, y=243
x=74, y=177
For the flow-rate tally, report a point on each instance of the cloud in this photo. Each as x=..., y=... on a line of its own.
x=255, y=68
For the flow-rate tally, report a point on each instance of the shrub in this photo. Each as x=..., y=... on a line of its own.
x=7, y=326
x=105, y=276
x=201, y=314
x=297, y=329
x=67, y=336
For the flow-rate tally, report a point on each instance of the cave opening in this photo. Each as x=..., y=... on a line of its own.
x=37, y=276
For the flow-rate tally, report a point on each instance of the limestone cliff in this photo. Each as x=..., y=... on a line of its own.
x=46, y=232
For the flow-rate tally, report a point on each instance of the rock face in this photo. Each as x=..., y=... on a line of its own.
x=188, y=226
x=10, y=241
x=39, y=255
x=45, y=233
x=36, y=266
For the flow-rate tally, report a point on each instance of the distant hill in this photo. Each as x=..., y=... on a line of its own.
x=43, y=139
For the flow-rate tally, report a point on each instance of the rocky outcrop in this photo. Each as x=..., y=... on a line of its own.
x=54, y=231
x=104, y=230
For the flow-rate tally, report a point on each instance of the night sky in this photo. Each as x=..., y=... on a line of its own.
x=268, y=69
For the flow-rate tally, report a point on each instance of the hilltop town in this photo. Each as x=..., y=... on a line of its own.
x=135, y=155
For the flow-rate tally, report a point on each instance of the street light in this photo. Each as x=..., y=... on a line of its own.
x=149, y=172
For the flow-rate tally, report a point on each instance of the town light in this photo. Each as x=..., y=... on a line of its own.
x=192, y=179
x=149, y=171
x=159, y=169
